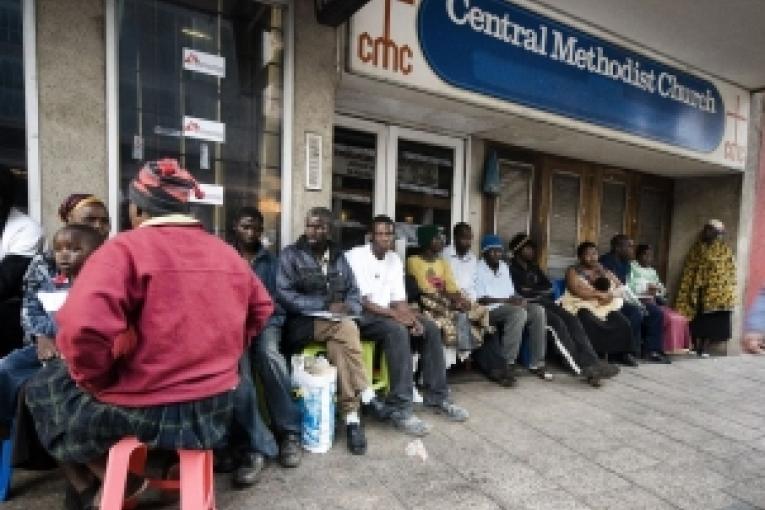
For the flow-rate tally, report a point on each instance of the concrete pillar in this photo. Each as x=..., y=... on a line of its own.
x=316, y=77
x=72, y=102
x=754, y=190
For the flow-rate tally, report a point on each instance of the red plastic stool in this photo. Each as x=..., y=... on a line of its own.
x=196, y=483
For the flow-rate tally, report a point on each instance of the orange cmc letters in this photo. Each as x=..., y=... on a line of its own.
x=382, y=51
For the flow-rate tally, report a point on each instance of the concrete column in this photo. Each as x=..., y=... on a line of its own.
x=72, y=102
x=316, y=77
x=755, y=192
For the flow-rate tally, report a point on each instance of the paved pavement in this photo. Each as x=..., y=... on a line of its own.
x=690, y=435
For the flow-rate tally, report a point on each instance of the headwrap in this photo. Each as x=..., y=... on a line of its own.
x=490, y=241
x=717, y=225
x=76, y=201
x=518, y=242
x=426, y=234
x=162, y=187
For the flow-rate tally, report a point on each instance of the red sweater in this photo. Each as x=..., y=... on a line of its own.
x=192, y=301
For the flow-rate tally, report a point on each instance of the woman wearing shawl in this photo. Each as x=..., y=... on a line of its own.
x=707, y=286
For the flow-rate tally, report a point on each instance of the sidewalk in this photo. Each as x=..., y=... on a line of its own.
x=689, y=435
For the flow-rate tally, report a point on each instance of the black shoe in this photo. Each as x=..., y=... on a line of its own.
x=658, y=357
x=357, y=441
x=629, y=360
x=592, y=376
x=223, y=461
x=377, y=409
x=248, y=470
x=503, y=376
x=290, y=451
x=607, y=370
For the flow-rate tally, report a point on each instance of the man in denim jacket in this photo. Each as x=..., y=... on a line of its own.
x=316, y=287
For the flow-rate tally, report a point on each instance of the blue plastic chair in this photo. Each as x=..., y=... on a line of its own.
x=6, y=470
x=559, y=287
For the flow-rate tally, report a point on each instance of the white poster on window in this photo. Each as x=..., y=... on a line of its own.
x=213, y=195
x=206, y=63
x=202, y=129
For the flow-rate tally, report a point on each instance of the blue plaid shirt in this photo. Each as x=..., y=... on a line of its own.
x=755, y=320
x=39, y=277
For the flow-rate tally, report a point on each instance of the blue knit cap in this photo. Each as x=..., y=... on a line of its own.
x=490, y=241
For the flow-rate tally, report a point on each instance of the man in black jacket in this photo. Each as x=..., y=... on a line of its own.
x=316, y=287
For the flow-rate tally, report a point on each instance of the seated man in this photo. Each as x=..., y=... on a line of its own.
x=510, y=313
x=251, y=439
x=461, y=259
x=388, y=320
x=190, y=304
x=313, y=279
x=618, y=262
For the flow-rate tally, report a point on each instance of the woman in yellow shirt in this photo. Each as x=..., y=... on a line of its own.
x=462, y=322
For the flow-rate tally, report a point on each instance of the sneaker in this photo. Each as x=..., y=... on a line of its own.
x=629, y=360
x=452, y=411
x=357, y=440
x=658, y=357
x=503, y=376
x=541, y=373
x=249, y=469
x=607, y=370
x=377, y=409
x=592, y=376
x=704, y=355
x=290, y=452
x=410, y=424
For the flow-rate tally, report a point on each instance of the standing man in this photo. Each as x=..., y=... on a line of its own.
x=388, y=320
x=618, y=262
x=314, y=279
x=510, y=313
x=462, y=260
x=265, y=352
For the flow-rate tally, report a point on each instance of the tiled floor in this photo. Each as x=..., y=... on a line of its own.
x=690, y=435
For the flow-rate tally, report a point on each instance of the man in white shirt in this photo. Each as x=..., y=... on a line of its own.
x=461, y=260
x=388, y=320
x=510, y=313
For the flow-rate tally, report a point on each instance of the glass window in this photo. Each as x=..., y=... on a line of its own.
x=613, y=206
x=353, y=180
x=157, y=90
x=513, y=213
x=12, y=117
x=424, y=188
x=564, y=222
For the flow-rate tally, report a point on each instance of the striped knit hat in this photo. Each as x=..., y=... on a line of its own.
x=163, y=187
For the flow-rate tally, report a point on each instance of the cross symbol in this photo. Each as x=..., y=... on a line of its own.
x=736, y=117
x=386, y=23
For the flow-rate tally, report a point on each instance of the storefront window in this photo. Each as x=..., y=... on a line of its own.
x=221, y=117
x=424, y=187
x=12, y=121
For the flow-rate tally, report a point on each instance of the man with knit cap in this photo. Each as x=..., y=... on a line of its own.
x=510, y=313
x=173, y=386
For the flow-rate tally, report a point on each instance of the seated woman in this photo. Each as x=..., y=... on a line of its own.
x=609, y=331
x=462, y=322
x=644, y=282
x=531, y=283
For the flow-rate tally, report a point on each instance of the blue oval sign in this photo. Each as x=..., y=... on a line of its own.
x=498, y=49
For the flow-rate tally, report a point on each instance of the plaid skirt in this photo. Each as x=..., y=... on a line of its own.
x=75, y=427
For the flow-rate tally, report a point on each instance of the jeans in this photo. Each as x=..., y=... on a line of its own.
x=512, y=320
x=249, y=431
x=15, y=369
x=652, y=325
x=396, y=342
x=271, y=366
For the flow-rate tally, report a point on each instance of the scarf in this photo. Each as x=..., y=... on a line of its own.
x=708, y=280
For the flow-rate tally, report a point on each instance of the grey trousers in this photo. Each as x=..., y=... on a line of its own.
x=511, y=321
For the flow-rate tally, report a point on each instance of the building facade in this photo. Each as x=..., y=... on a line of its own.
x=510, y=116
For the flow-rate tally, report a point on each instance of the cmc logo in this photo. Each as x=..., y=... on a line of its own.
x=382, y=51
x=192, y=127
x=191, y=58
